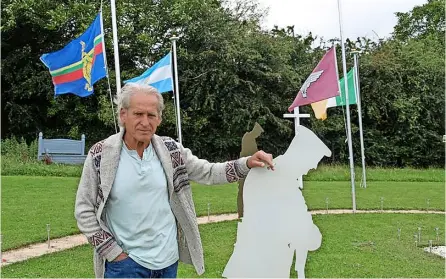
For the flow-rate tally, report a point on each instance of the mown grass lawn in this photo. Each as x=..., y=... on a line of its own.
x=12, y=167
x=31, y=202
x=353, y=246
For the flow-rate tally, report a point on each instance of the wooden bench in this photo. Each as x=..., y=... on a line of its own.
x=65, y=151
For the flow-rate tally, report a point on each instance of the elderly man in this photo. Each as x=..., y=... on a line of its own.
x=134, y=201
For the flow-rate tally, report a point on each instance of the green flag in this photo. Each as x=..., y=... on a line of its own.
x=340, y=100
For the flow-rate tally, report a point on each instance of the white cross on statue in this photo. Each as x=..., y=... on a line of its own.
x=297, y=116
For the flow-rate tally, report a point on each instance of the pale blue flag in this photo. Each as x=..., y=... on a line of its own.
x=158, y=76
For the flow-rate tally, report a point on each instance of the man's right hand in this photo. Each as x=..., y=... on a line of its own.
x=121, y=257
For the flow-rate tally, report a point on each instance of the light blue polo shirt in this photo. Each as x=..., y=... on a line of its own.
x=138, y=212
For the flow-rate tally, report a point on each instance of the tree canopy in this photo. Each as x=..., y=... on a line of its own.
x=231, y=75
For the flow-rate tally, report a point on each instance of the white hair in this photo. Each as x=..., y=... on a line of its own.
x=130, y=89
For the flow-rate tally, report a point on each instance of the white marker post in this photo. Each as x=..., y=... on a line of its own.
x=297, y=116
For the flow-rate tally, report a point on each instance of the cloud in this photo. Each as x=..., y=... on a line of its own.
x=360, y=17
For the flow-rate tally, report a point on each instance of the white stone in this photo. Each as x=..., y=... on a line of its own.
x=437, y=250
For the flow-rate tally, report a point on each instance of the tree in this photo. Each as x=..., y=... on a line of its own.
x=231, y=75
x=422, y=21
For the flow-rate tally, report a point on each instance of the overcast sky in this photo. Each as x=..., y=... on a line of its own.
x=360, y=17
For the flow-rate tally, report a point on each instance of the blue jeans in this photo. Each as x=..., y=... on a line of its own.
x=128, y=268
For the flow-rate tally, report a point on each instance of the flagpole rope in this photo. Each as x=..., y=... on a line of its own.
x=108, y=76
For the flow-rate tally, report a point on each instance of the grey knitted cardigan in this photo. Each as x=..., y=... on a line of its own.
x=180, y=166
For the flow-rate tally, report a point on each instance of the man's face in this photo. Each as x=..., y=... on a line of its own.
x=141, y=119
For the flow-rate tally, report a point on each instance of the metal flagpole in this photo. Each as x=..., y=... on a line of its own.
x=177, y=88
x=106, y=70
x=175, y=110
x=349, y=132
x=173, y=91
x=340, y=91
x=115, y=47
x=361, y=134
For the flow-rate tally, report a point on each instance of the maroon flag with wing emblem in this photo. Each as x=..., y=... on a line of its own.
x=321, y=84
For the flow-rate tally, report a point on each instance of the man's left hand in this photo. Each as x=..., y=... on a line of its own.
x=259, y=159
